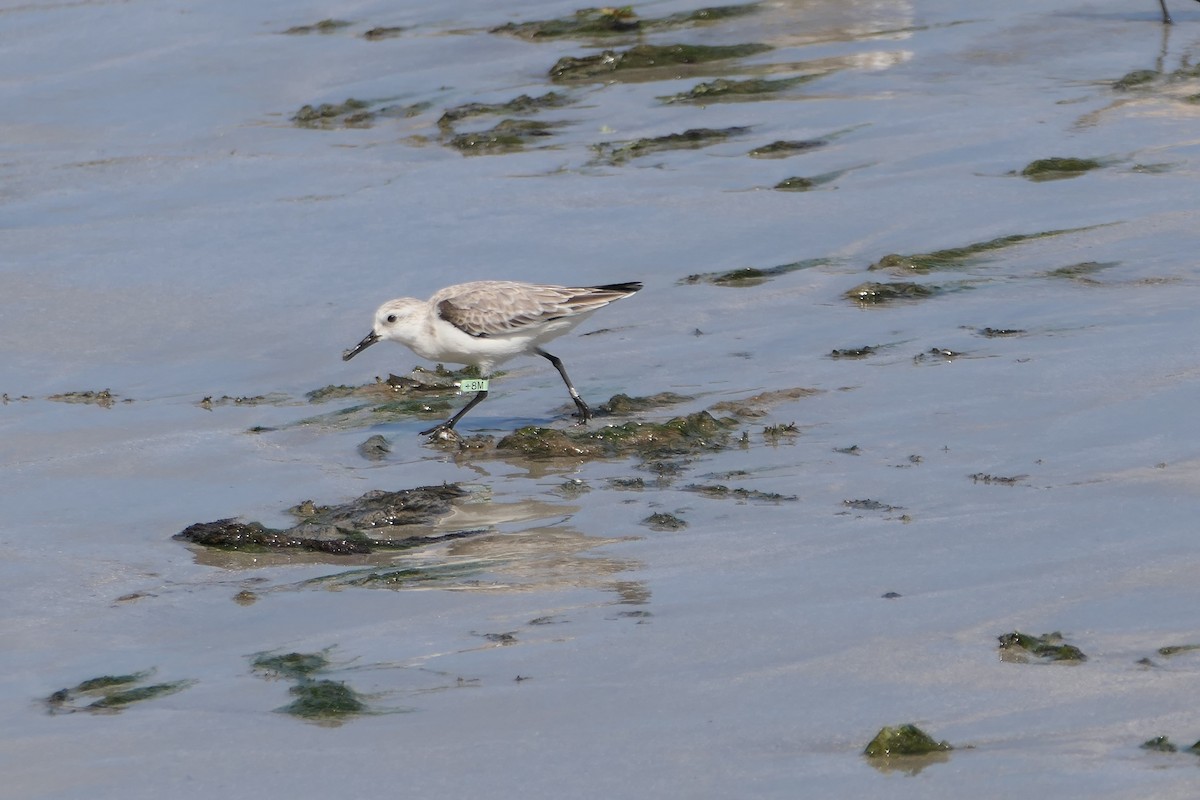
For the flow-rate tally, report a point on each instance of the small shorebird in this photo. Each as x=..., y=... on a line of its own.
x=484, y=323
x=1166, y=14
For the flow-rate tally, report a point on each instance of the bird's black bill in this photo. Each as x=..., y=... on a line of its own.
x=368, y=340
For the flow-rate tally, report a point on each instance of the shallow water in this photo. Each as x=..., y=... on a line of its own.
x=169, y=235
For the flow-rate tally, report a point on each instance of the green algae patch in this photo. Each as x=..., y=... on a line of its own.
x=1083, y=272
x=209, y=402
x=854, y=352
x=1159, y=744
x=874, y=293
x=324, y=26
x=348, y=114
x=941, y=355
x=423, y=394
x=903, y=740
x=506, y=136
x=1136, y=79
x=535, y=442
x=383, y=32
x=318, y=700
x=724, y=90
x=692, y=139
x=662, y=521
x=682, y=435
x=722, y=492
x=1176, y=649
x=523, y=104
x=1021, y=648
x=785, y=148
x=800, y=183
x=377, y=520
x=751, y=276
x=296, y=666
x=796, y=184
x=776, y=433
x=624, y=404
x=1058, y=168
x=987, y=477
x=597, y=23
x=103, y=398
x=959, y=257
x=646, y=57
x=111, y=693
x=324, y=700
x=352, y=113
x=870, y=505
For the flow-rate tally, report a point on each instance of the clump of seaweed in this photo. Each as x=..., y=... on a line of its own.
x=324, y=26
x=296, y=666
x=352, y=113
x=795, y=184
x=691, y=139
x=751, y=276
x=726, y=90
x=422, y=393
x=721, y=492
x=870, y=505
x=1159, y=744
x=875, y=293
x=958, y=257
x=324, y=700
x=679, y=436
x=103, y=398
x=661, y=521
x=111, y=693
x=998, y=480
x=854, y=352
x=376, y=520
x=1057, y=168
x=523, y=104
x=506, y=136
x=1137, y=78
x=1176, y=649
x=903, y=740
x=1083, y=272
x=317, y=699
x=785, y=148
x=384, y=32
x=624, y=404
x=605, y=64
x=348, y=114
x=1049, y=647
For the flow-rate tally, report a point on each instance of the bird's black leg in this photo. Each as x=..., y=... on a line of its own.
x=449, y=424
x=585, y=413
x=1166, y=14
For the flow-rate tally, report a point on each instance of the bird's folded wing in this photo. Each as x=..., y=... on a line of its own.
x=497, y=309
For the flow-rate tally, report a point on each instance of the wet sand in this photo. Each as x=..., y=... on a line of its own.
x=1005, y=447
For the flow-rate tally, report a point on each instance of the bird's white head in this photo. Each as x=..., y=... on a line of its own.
x=396, y=320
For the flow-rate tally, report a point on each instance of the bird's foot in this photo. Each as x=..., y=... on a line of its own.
x=443, y=433
x=583, y=415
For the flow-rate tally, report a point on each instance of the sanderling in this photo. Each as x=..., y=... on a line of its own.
x=484, y=323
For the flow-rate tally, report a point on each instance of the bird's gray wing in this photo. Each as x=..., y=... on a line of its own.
x=495, y=308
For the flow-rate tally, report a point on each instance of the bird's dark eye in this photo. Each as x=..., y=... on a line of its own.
x=391, y=318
